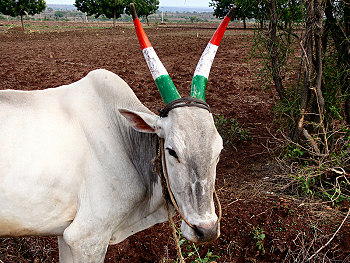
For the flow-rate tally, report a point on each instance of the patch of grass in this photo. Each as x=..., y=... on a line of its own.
x=259, y=236
x=192, y=252
x=28, y=249
x=325, y=181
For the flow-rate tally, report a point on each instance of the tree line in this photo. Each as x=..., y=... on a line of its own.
x=291, y=10
x=115, y=8
x=109, y=8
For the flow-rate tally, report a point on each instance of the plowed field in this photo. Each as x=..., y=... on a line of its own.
x=40, y=59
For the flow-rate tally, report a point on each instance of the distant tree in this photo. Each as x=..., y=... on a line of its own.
x=20, y=8
x=110, y=8
x=292, y=11
x=59, y=14
x=243, y=10
x=143, y=7
x=194, y=19
x=221, y=7
x=288, y=10
x=260, y=10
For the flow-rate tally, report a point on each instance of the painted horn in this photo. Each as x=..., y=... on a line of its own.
x=160, y=75
x=200, y=77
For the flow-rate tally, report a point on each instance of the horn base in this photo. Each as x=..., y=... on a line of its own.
x=167, y=89
x=197, y=90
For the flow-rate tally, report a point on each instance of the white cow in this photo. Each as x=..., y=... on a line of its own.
x=76, y=162
x=72, y=166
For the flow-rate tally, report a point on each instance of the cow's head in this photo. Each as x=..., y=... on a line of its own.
x=192, y=144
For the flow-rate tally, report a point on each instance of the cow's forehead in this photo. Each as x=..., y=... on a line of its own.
x=194, y=128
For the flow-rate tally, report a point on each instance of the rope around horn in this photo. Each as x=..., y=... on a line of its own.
x=183, y=102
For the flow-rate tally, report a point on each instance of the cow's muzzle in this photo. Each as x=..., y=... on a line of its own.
x=201, y=233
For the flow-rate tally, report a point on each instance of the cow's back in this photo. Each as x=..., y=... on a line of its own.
x=47, y=141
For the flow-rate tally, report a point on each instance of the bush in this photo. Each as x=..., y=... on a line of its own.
x=311, y=75
x=230, y=130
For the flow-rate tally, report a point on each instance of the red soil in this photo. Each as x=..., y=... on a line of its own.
x=45, y=59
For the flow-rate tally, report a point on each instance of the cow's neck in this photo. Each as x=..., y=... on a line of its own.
x=141, y=149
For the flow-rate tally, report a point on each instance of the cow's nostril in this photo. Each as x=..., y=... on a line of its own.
x=199, y=231
x=205, y=233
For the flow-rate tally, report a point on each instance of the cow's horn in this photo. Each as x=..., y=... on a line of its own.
x=160, y=75
x=200, y=77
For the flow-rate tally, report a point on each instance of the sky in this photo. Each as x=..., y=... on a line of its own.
x=181, y=3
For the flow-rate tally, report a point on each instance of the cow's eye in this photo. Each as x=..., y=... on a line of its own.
x=172, y=153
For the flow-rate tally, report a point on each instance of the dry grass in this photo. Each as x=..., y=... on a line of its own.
x=28, y=249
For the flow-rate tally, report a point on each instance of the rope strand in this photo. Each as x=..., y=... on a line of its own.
x=175, y=237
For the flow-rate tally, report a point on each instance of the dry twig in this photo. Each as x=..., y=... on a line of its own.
x=329, y=241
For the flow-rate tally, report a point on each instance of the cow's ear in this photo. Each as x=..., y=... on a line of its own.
x=141, y=121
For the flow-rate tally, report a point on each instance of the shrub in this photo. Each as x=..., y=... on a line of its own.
x=230, y=130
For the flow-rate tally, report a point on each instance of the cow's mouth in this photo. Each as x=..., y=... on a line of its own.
x=201, y=234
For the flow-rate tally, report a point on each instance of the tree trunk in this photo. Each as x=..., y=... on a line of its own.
x=22, y=22
x=347, y=58
x=347, y=110
x=347, y=19
x=318, y=53
x=244, y=23
x=342, y=44
x=273, y=45
x=307, y=47
x=318, y=31
x=114, y=17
